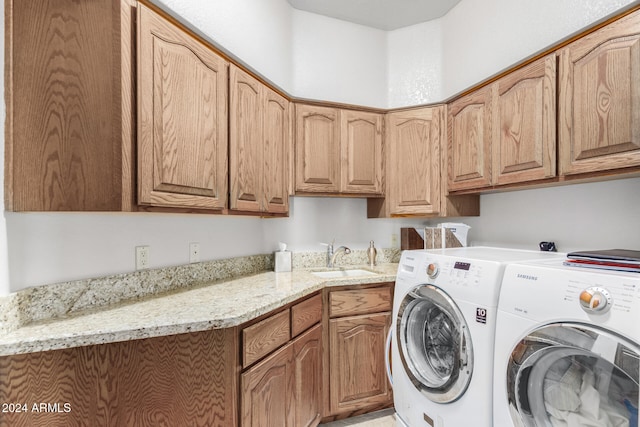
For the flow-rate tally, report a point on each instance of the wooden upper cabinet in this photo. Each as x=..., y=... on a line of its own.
x=599, y=120
x=245, y=141
x=469, y=150
x=524, y=124
x=182, y=118
x=338, y=151
x=277, y=153
x=414, y=139
x=259, y=144
x=68, y=84
x=317, y=149
x=361, y=146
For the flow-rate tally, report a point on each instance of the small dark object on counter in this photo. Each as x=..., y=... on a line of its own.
x=548, y=247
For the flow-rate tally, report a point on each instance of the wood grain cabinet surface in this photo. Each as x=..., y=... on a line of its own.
x=259, y=142
x=505, y=133
x=415, y=168
x=260, y=339
x=414, y=140
x=180, y=380
x=281, y=382
x=338, y=151
x=599, y=117
x=317, y=147
x=469, y=145
x=283, y=390
x=182, y=118
x=69, y=139
x=357, y=324
x=523, y=143
x=361, y=158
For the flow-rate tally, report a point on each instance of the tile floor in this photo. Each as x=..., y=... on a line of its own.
x=385, y=418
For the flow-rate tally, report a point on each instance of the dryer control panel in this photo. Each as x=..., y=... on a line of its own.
x=551, y=291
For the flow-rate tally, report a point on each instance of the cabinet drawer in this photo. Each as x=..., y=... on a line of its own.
x=305, y=314
x=359, y=301
x=260, y=339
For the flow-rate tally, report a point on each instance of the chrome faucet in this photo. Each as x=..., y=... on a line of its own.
x=332, y=255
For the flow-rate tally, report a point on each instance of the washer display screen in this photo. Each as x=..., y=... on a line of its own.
x=462, y=266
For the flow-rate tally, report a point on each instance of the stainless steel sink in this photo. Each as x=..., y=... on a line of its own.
x=336, y=274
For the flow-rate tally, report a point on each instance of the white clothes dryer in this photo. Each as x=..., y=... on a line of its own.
x=567, y=347
x=443, y=328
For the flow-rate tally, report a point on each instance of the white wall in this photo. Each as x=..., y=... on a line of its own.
x=415, y=57
x=258, y=32
x=481, y=38
x=335, y=60
x=54, y=247
x=598, y=215
x=352, y=64
x=314, y=221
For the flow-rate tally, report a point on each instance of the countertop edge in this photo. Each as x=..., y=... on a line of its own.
x=53, y=335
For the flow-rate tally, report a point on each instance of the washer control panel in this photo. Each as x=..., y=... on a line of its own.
x=595, y=300
x=454, y=272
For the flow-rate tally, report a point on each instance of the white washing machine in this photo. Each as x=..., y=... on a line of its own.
x=567, y=347
x=442, y=340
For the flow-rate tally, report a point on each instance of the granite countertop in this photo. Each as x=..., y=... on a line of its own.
x=218, y=304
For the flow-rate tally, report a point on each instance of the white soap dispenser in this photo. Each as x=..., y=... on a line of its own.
x=282, y=259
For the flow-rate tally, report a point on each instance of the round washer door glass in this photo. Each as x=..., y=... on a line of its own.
x=569, y=374
x=434, y=344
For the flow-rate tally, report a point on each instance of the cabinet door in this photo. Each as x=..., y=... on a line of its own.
x=245, y=141
x=524, y=125
x=182, y=118
x=178, y=380
x=413, y=170
x=470, y=141
x=317, y=149
x=361, y=147
x=599, y=120
x=356, y=362
x=267, y=392
x=277, y=146
x=68, y=143
x=307, y=363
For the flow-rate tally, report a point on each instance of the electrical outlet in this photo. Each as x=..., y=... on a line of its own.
x=194, y=252
x=394, y=241
x=142, y=257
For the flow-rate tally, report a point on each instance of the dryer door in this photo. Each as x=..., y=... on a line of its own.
x=569, y=374
x=434, y=343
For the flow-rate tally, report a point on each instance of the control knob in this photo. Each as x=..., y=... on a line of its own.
x=433, y=270
x=595, y=300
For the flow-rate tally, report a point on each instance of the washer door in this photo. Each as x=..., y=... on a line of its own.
x=434, y=344
x=576, y=375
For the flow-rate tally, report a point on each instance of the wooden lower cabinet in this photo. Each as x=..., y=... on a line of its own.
x=307, y=371
x=283, y=390
x=266, y=391
x=357, y=322
x=178, y=380
x=358, y=377
x=198, y=379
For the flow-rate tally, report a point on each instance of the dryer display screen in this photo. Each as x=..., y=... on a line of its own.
x=462, y=266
